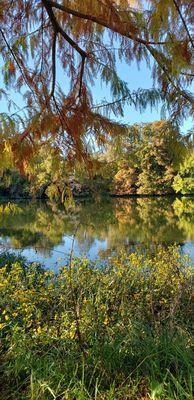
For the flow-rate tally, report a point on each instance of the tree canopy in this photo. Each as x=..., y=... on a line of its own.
x=84, y=40
x=150, y=159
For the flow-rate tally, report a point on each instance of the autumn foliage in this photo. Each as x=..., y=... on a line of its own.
x=54, y=52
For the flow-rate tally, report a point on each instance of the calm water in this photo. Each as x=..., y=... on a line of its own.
x=44, y=232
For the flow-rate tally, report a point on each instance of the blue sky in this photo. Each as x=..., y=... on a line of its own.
x=138, y=77
x=134, y=76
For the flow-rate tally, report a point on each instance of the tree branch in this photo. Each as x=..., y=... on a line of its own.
x=165, y=70
x=81, y=75
x=121, y=31
x=187, y=74
x=102, y=22
x=183, y=21
x=58, y=29
x=53, y=64
x=16, y=60
x=112, y=103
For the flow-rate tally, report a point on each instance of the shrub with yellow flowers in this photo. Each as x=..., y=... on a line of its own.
x=114, y=319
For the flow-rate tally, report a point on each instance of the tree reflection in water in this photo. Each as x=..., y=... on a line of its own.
x=104, y=227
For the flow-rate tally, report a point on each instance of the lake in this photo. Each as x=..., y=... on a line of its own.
x=47, y=233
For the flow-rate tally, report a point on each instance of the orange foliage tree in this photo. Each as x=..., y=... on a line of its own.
x=84, y=39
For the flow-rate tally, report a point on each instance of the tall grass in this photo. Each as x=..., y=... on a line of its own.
x=117, y=332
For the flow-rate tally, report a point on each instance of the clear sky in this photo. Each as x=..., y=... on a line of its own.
x=134, y=76
x=138, y=77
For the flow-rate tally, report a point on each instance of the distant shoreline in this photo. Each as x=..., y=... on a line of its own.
x=103, y=195
x=151, y=195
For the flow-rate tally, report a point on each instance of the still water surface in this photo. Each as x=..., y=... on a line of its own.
x=44, y=232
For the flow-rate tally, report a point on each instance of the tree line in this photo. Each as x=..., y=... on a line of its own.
x=149, y=159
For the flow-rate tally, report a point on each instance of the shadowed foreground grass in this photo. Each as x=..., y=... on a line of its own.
x=116, y=332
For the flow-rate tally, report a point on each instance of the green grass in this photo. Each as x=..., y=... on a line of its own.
x=117, y=332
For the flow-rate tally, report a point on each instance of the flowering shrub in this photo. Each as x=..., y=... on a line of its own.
x=110, y=317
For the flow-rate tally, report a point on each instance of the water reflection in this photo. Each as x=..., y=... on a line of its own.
x=44, y=232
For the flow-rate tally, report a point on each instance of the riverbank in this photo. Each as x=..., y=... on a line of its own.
x=153, y=195
x=116, y=332
x=102, y=196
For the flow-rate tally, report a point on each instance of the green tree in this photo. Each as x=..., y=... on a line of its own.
x=48, y=174
x=149, y=159
x=184, y=180
x=13, y=185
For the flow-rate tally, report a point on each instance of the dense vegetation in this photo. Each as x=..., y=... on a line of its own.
x=116, y=332
x=148, y=159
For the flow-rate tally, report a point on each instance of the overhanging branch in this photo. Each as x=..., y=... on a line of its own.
x=183, y=21
x=58, y=29
x=101, y=21
x=16, y=60
x=53, y=64
x=181, y=92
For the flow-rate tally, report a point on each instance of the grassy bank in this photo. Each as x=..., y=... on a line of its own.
x=117, y=332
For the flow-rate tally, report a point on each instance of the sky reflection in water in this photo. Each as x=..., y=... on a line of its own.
x=44, y=232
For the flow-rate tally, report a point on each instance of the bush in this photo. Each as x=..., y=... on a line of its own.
x=184, y=180
x=117, y=332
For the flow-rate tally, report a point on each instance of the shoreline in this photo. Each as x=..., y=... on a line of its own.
x=103, y=196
